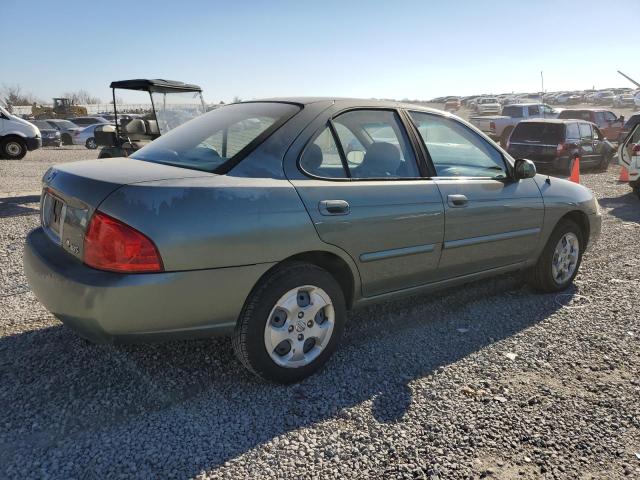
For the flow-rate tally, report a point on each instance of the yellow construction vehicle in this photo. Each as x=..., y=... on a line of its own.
x=62, y=108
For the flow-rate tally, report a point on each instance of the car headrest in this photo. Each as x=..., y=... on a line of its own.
x=136, y=126
x=153, y=127
x=382, y=159
x=313, y=158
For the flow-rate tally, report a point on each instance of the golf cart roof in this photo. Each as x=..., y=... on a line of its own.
x=156, y=85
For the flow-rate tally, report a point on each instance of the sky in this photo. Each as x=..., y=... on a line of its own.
x=369, y=49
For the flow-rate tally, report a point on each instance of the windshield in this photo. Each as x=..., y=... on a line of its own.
x=175, y=108
x=210, y=141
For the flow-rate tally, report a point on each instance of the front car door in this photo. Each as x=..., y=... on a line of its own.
x=365, y=192
x=587, y=153
x=491, y=220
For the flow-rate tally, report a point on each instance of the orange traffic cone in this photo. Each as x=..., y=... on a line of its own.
x=624, y=175
x=575, y=171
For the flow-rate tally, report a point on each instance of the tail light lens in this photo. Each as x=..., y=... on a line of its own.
x=636, y=149
x=560, y=148
x=492, y=125
x=112, y=245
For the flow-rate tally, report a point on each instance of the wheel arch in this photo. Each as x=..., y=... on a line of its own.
x=338, y=268
x=580, y=218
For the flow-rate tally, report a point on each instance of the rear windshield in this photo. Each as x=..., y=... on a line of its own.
x=512, y=111
x=211, y=140
x=548, y=133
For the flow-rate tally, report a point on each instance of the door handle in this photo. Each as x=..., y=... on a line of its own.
x=334, y=207
x=457, y=200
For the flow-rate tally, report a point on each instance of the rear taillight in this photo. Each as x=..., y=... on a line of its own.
x=492, y=126
x=560, y=148
x=636, y=149
x=112, y=245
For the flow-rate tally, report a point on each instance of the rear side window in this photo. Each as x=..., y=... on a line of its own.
x=577, y=114
x=321, y=158
x=546, y=133
x=534, y=110
x=213, y=140
x=572, y=131
x=585, y=131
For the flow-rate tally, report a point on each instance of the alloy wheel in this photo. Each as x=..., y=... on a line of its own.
x=565, y=258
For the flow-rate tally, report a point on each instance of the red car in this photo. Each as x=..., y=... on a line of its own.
x=608, y=122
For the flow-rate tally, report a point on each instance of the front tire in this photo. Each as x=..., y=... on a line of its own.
x=291, y=323
x=560, y=260
x=13, y=148
x=66, y=139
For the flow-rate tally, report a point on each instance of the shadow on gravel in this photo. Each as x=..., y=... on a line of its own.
x=626, y=207
x=15, y=206
x=84, y=410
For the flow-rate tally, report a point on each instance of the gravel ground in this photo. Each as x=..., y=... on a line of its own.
x=489, y=380
x=25, y=175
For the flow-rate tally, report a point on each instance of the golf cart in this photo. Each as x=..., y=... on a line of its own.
x=172, y=104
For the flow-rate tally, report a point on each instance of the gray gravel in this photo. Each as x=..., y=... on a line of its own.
x=489, y=380
x=18, y=176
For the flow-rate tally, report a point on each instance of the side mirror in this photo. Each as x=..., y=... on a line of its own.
x=524, y=168
x=621, y=119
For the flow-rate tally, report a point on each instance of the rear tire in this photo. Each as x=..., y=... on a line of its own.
x=91, y=143
x=273, y=324
x=13, y=148
x=546, y=276
x=66, y=139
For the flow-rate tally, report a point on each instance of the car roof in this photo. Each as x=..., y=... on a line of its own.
x=553, y=120
x=585, y=110
x=348, y=102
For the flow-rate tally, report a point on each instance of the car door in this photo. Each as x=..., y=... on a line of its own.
x=587, y=153
x=365, y=193
x=612, y=126
x=491, y=220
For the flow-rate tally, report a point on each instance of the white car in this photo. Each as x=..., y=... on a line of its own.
x=17, y=136
x=629, y=157
x=488, y=106
x=86, y=136
x=636, y=98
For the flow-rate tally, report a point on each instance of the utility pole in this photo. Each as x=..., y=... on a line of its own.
x=542, y=82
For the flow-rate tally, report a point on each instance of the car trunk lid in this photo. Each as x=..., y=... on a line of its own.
x=72, y=192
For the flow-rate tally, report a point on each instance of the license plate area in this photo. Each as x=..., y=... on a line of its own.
x=53, y=213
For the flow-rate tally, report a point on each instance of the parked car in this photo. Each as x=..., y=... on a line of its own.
x=487, y=106
x=17, y=136
x=567, y=99
x=636, y=98
x=452, y=105
x=250, y=221
x=66, y=129
x=86, y=136
x=499, y=127
x=86, y=121
x=629, y=157
x=50, y=136
x=623, y=100
x=554, y=145
x=629, y=124
x=603, y=98
x=608, y=122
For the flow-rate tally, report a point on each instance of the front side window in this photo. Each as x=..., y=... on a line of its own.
x=212, y=140
x=456, y=151
x=610, y=117
x=375, y=145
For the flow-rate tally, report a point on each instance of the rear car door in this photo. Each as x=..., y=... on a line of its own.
x=365, y=193
x=491, y=220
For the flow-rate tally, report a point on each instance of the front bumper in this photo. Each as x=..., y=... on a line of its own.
x=33, y=143
x=51, y=142
x=107, y=307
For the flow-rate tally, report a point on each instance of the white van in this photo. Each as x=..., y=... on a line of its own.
x=17, y=136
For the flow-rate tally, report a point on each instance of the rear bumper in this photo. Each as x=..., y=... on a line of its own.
x=107, y=307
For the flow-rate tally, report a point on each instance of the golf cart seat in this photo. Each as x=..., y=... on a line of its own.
x=140, y=129
x=105, y=135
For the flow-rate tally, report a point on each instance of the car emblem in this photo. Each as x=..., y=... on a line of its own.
x=300, y=325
